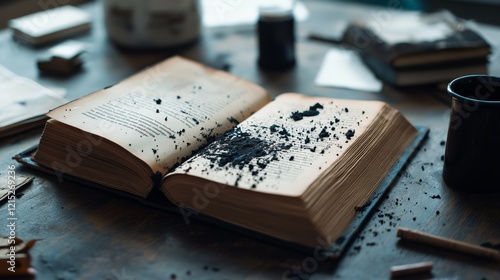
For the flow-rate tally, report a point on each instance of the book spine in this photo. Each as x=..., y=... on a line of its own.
x=381, y=69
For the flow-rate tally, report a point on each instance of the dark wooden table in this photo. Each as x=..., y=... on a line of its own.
x=91, y=234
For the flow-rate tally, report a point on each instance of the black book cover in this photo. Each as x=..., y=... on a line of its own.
x=459, y=41
x=432, y=74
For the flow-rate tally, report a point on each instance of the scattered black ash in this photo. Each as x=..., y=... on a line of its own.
x=214, y=268
x=313, y=111
x=340, y=240
x=236, y=149
x=297, y=116
x=233, y=120
x=350, y=133
x=356, y=249
x=363, y=208
x=324, y=133
x=491, y=245
x=250, y=150
x=208, y=135
x=283, y=131
x=238, y=178
x=316, y=107
x=158, y=101
x=436, y=196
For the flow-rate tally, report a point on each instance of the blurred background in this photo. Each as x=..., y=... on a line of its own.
x=488, y=9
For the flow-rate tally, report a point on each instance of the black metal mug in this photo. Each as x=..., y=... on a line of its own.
x=472, y=157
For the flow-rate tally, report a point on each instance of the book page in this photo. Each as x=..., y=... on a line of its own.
x=164, y=113
x=285, y=146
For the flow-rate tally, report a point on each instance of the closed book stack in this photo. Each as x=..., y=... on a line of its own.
x=410, y=48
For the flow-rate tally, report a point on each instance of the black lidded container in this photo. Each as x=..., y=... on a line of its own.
x=276, y=37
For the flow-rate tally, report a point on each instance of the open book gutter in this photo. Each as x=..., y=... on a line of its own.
x=332, y=251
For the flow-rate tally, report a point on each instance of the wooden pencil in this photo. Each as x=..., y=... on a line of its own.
x=449, y=244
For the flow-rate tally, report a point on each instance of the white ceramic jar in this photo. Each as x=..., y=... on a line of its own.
x=152, y=24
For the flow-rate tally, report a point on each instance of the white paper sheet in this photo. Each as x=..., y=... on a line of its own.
x=344, y=68
x=23, y=99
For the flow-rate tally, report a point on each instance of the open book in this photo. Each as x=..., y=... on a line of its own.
x=293, y=169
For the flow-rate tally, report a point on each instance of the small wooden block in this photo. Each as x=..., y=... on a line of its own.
x=410, y=269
